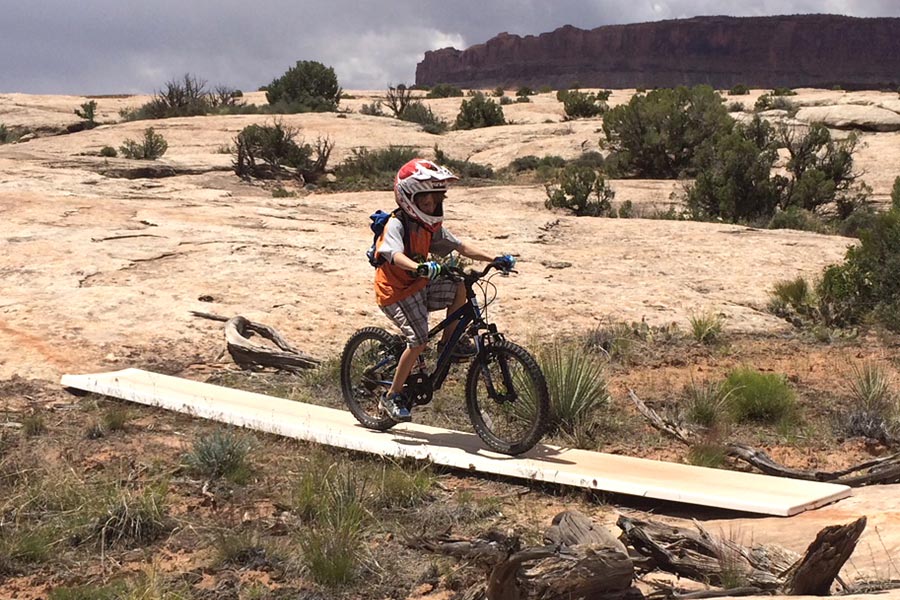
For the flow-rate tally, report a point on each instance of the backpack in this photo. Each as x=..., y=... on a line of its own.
x=379, y=222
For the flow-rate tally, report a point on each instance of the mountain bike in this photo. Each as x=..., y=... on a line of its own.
x=506, y=393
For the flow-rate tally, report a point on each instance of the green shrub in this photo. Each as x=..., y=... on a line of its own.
x=499, y=91
x=506, y=100
x=793, y=296
x=525, y=91
x=133, y=518
x=88, y=591
x=582, y=190
x=895, y=195
x=479, y=111
x=739, y=90
x=108, y=151
x=153, y=146
x=657, y=135
x=626, y=210
x=735, y=182
x=88, y=112
x=308, y=84
x=706, y=327
x=5, y=134
x=576, y=382
x=706, y=404
x=373, y=169
x=221, y=453
x=417, y=112
x=444, y=90
x=463, y=168
x=782, y=91
x=400, y=487
x=707, y=454
x=272, y=152
x=115, y=418
x=579, y=105
x=531, y=163
x=761, y=397
x=736, y=107
x=33, y=425
x=867, y=284
x=797, y=218
x=772, y=102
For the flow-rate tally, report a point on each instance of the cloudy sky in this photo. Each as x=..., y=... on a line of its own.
x=118, y=46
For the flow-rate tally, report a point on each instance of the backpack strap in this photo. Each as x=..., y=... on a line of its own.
x=404, y=220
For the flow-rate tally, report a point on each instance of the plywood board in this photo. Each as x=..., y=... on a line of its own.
x=594, y=470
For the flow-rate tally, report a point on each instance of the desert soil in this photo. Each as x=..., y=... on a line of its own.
x=101, y=273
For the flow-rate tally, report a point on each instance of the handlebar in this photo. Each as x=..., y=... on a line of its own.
x=473, y=275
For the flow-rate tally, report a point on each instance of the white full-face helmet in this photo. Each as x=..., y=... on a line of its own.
x=421, y=176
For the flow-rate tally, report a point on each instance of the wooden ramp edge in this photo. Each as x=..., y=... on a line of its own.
x=702, y=486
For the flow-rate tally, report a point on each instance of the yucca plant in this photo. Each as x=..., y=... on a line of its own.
x=874, y=408
x=576, y=382
x=706, y=404
x=706, y=327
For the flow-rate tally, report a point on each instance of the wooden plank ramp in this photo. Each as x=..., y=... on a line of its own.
x=733, y=490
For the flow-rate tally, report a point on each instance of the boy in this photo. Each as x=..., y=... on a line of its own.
x=407, y=285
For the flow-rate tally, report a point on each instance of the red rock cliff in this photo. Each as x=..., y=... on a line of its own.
x=763, y=52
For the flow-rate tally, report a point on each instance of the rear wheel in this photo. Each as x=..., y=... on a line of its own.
x=507, y=398
x=368, y=363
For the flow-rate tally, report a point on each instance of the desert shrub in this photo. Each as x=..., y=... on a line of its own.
x=417, y=112
x=590, y=158
x=579, y=105
x=506, y=101
x=222, y=453
x=582, y=190
x=332, y=544
x=89, y=591
x=187, y=97
x=867, y=284
x=545, y=89
x=522, y=100
x=873, y=408
x=531, y=163
x=782, y=91
x=708, y=454
x=797, y=218
x=626, y=210
x=706, y=404
x=499, y=92
x=245, y=549
x=115, y=418
x=88, y=112
x=373, y=169
x=5, y=134
x=735, y=182
x=133, y=518
x=793, y=297
x=308, y=85
x=772, y=102
x=33, y=425
x=657, y=135
x=860, y=220
x=895, y=195
x=281, y=192
x=108, y=151
x=153, y=146
x=761, y=397
x=398, y=98
x=525, y=91
x=399, y=487
x=706, y=327
x=479, y=111
x=736, y=107
x=463, y=168
x=444, y=90
x=373, y=109
x=576, y=382
x=739, y=90
x=272, y=152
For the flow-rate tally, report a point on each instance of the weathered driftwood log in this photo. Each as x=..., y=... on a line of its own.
x=577, y=562
x=814, y=575
x=880, y=470
x=725, y=563
x=250, y=355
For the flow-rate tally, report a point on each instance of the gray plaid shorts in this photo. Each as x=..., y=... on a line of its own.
x=411, y=314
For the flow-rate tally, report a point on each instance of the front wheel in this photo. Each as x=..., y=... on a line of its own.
x=507, y=398
x=368, y=363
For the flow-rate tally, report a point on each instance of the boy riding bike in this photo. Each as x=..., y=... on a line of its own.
x=407, y=284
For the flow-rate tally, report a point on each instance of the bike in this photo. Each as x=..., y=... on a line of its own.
x=506, y=394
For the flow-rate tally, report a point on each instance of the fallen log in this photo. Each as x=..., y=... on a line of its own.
x=727, y=564
x=882, y=470
x=252, y=356
x=576, y=562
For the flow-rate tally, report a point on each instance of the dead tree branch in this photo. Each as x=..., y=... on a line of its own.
x=252, y=356
x=881, y=470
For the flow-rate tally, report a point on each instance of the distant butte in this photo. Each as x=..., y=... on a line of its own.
x=762, y=52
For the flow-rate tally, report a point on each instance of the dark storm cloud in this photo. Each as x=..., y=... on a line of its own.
x=111, y=46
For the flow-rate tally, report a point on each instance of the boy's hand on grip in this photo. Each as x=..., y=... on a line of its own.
x=431, y=270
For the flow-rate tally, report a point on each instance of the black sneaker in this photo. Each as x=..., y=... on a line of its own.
x=396, y=406
x=465, y=348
